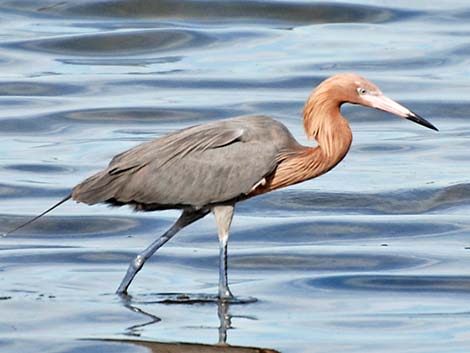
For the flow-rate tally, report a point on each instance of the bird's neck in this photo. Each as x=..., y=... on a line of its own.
x=324, y=123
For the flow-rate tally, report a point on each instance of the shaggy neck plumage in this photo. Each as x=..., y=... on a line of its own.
x=324, y=123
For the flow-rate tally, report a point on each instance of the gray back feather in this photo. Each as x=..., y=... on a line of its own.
x=197, y=166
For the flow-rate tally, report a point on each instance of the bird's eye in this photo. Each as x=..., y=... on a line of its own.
x=361, y=91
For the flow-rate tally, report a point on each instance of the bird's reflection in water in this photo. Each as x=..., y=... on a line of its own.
x=134, y=329
x=225, y=319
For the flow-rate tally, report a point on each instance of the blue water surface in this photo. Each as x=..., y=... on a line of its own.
x=371, y=257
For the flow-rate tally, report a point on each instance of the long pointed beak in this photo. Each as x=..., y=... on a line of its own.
x=421, y=121
x=389, y=105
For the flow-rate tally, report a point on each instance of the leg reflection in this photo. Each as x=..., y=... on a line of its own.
x=225, y=320
x=225, y=324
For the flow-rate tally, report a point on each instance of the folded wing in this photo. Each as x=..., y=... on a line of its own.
x=198, y=166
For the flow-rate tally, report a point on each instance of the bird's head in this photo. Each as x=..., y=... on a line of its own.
x=355, y=89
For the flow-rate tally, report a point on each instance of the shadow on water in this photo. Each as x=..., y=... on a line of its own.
x=182, y=347
x=185, y=347
x=184, y=298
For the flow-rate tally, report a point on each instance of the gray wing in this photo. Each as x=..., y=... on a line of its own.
x=197, y=166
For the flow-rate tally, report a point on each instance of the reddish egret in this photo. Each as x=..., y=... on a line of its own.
x=211, y=167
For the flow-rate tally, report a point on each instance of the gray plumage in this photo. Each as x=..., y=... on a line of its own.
x=210, y=167
x=196, y=167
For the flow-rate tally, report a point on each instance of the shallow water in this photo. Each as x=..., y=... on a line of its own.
x=372, y=256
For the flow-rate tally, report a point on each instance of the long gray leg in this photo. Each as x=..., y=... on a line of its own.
x=186, y=218
x=223, y=217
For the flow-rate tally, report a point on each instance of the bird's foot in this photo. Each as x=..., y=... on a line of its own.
x=225, y=294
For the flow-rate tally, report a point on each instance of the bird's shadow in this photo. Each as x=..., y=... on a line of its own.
x=183, y=298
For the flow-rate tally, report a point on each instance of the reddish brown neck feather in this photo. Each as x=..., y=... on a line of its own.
x=324, y=123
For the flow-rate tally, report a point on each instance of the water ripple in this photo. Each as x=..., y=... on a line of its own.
x=10, y=191
x=382, y=65
x=139, y=115
x=56, y=121
x=396, y=283
x=291, y=82
x=77, y=226
x=36, y=168
x=338, y=230
x=126, y=43
x=29, y=88
x=388, y=148
x=292, y=12
x=313, y=261
x=290, y=259
x=81, y=80
x=113, y=61
x=64, y=256
x=415, y=201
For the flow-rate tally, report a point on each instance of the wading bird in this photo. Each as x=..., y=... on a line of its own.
x=213, y=166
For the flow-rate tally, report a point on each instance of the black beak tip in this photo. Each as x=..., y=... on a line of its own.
x=421, y=121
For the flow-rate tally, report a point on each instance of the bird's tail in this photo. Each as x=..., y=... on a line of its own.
x=38, y=216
